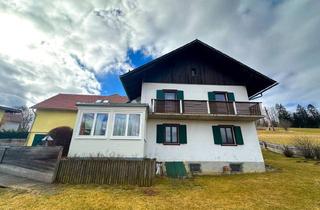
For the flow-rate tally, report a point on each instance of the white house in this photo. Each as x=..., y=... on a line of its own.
x=190, y=106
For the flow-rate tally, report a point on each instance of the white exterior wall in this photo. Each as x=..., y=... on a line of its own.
x=200, y=143
x=200, y=147
x=192, y=91
x=108, y=145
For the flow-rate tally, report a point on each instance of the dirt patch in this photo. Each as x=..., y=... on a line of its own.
x=150, y=192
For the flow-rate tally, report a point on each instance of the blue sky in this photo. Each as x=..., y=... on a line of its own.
x=110, y=82
x=50, y=47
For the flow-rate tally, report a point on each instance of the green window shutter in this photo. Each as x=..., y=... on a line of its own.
x=238, y=135
x=211, y=96
x=230, y=97
x=182, y=134
x=160, y=134
x=216, y=135
x=180, y=95
x=160, y=94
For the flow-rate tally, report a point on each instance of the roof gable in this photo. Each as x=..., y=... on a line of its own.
x=68, y=101
x=213, y=66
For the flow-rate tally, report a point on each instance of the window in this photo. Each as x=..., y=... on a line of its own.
x=235, y=167
x=227, y=135
x=98, y=121
x=170, y=95
x=101, y=124
x=86, y=124
x=126, y=125
x=195, y=167
x=171, y=134
x=220, y=96
x=193, y=72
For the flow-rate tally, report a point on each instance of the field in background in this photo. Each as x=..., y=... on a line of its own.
x=270, y=190
x=280, y=136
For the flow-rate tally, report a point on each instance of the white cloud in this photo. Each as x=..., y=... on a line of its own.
x=40, y=40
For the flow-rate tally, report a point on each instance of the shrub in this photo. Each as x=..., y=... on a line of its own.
x=305, y=147
x=287, y=151
x=62, y=137
x=316, y=151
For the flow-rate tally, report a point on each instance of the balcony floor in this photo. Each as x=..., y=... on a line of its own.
x=220, y=117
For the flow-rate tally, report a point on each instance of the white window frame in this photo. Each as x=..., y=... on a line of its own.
x=127, y=124
x=91, y=136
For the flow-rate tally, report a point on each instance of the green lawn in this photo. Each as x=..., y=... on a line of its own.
x=280, y=136
x=295, y=184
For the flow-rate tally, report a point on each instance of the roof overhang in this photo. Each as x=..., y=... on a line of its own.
x=255, y=82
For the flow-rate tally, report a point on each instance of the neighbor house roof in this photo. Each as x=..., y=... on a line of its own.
x=9, y=109
x=68, y=101
x=255, y=82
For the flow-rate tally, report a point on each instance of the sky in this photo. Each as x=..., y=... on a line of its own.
x=49, y=47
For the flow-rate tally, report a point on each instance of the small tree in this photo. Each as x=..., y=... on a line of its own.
x=26, y=118
x=305, y=147
x=61, y=137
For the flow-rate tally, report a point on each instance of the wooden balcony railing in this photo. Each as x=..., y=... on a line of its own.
x=167, y=106
x=248, y=108
x=206, y=107
x=221, y=107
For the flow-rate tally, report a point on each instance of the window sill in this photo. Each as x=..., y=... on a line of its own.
x=124, y=138
x=229, y=145
x=91, y=137
x=177, y=144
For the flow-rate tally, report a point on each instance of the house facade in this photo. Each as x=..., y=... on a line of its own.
x=190, y=106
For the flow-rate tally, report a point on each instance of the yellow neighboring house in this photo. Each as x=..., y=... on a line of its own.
x=61, y=110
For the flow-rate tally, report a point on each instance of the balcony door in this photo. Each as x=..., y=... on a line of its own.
x=171, y=103
x=221, y=103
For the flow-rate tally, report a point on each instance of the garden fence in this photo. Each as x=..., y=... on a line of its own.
x=106, y=171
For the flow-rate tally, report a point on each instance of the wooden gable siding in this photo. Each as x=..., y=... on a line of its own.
x=179, y=70
x=213, y=68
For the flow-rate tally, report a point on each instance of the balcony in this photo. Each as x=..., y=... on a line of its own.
x=205, y=110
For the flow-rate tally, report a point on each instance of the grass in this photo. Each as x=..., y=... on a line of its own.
x=280, y=136
x=294, y=185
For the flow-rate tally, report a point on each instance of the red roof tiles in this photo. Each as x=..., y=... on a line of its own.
x=68, y=101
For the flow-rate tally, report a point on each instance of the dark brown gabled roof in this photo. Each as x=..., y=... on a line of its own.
x=69, y=101
x=255, y=82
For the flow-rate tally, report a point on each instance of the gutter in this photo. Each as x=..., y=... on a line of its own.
x=259, y=94
x=113, y=104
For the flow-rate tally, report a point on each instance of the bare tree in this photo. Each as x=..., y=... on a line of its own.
x=26, y=118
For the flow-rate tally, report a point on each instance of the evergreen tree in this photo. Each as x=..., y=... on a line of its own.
x=300, y=117
x=314, y=116
x=285, y=119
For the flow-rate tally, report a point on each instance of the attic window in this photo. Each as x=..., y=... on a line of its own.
x=193, y=72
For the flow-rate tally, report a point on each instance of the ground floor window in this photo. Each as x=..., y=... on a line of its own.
x=126, y=125
x=171, y=134
x=227, y=135
x=93, y=124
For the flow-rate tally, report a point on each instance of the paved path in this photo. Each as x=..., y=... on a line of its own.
x=10, y=181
